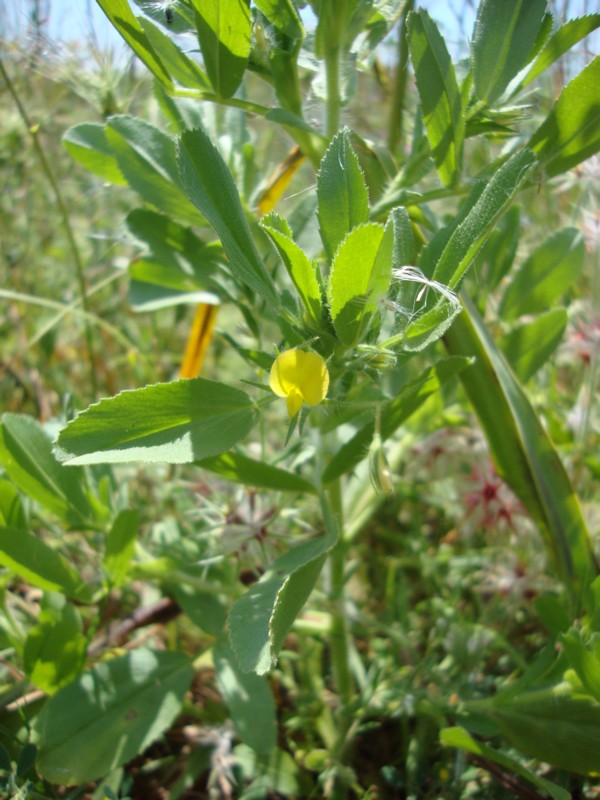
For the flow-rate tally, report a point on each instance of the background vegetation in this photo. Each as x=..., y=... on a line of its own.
x=451, y=594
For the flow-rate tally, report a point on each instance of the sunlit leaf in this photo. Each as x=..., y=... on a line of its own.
x=261, y=618
x=504, y=37
x=224, y=33
x=438, y=93
x=571, y=131
x=177, y=422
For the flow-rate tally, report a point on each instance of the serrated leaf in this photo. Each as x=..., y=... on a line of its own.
x=210, y=187
x=249, y=699
x=439, y=95
x=504, y=36
x=343, y=201
x=177, y=423
x=87, y=144
x=250, y=472
x=545, y=276
x=360, y=276
x=224, y=32
x=146, y=158
x=40, y=565
x=126, y=23
x=467, y=239
x=300, y=268
x=460, y=738
x=260, y=619
x=26, y=454
x=562, y=40
x=571, y=131
x=393, y=414
x=109, y=715
x=528, y=346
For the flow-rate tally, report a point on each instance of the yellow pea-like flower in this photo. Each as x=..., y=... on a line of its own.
x=300, y=377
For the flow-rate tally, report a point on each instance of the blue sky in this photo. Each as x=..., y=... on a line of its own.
x=68, y=19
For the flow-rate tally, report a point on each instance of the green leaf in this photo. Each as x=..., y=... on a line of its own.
x=546, y=275
x=110, y=714
x=439, y=95
x=553, y=727
x=523, y=454
x=179, y=266
x=26, y=759
x=87, y=144
x=528, y=346
x=41, y=565
x=279, y=775
x=458, y=737
x=126, y=23
x=498, y=253
x=55, y=649
x=206, y=610
x=584, y=662
x=248, y=698
x=261, y=618
x=471, y=234
x=562, y=40
x=428, y=326
x=249, y=472
x=341, y=192
x=412, y=396
x=300, y=268
x=147, y=159
x=571, y=131
x=26, y=454
x=283, y=15
x=360, y=276
x=180, y=66
x=12, y=512
x=177, y=422
x=224, y=32
x=120, y=546
x=504, y=36
x=210, y=187
x=404, y=240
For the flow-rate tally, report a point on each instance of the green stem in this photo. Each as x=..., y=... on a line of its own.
x=340, y=654
x=332, y=70
x=62, y=207
x=399, y=90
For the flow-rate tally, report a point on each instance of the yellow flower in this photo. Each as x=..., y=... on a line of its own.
x=300, y=377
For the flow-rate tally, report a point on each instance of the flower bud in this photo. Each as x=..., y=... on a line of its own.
x=379, y=469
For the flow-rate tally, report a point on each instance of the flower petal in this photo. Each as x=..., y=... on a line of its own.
x=314, y=381
x=285, y=373
x=294, y=402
